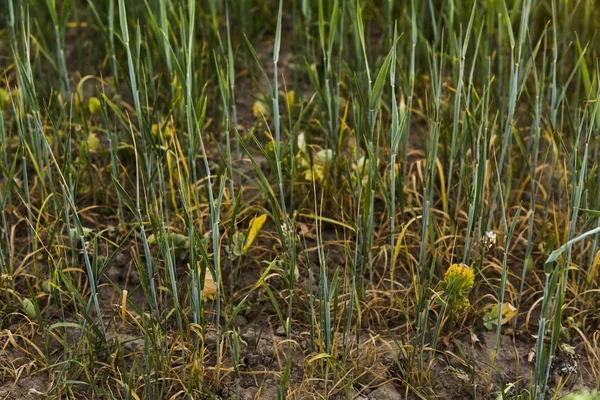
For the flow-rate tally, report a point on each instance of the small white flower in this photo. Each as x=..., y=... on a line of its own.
x=489, y=240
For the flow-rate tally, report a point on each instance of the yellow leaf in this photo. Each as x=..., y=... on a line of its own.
x=4, y=100
x=94, y=105
x=210, y=287
x=318, y=357
x=255, y=225
x=290, y=98
x=93, y=142
x=491, y=316
x=260, y=109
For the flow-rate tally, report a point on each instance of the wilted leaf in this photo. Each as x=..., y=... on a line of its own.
x=491, y=316
x=255, y=225
x=241, y=242
x=531, y=355
x=321, y=163
x=210, y=287
x=301, y=143
x=259, y=108
x=5, y=280
x=567, y=349
x=74, y=234
x=163, y=131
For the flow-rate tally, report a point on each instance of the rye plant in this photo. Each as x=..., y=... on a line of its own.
x=309, y=198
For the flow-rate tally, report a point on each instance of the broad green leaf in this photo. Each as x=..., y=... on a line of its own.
x=28, y=307
x=379, y=82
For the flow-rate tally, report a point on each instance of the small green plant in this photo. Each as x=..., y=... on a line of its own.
x=583, y=395
x=457, y=284
x=490, y=316
x=313, y=165
x=241, y=241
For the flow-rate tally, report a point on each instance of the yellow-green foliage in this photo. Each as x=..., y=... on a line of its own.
x=241, y=241
x=491, y=314
x=4, y=99
x=94, y=105
x=583, y=395
x=457, y=284
x=322, y=161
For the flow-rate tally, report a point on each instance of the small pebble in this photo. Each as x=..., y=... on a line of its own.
x=385, y=392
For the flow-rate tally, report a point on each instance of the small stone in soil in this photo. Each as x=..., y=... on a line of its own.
x=268, y=394
x=248, y=393
x=385, y=392
x=239, y=321
x=210, y=337
x=249, y=335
